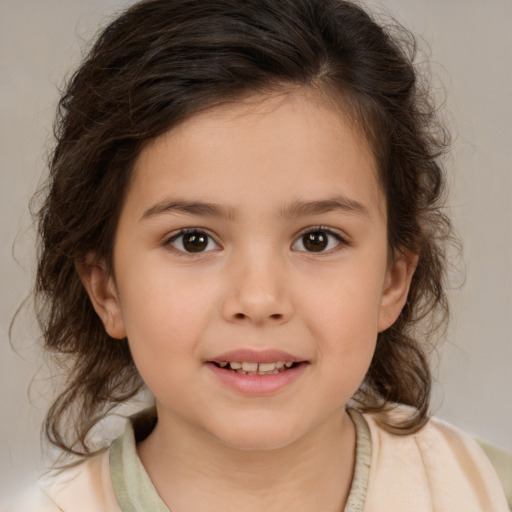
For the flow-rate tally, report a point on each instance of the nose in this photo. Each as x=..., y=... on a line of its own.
x=257, y=292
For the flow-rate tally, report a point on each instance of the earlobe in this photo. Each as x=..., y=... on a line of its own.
x=101, y=288
x=396, y=288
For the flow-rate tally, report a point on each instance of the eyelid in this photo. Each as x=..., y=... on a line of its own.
x=171, y=237
x=337, y=234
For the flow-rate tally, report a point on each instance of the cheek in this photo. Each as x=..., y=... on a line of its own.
x=343, y=319
x=347, y=305
x=164, y=312
x=164, y=330
x=346, y=350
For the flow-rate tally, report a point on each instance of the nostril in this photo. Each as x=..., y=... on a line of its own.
x=239, y=316
x=276, y=316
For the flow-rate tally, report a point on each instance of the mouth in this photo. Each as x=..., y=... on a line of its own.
x=256, y=368
x=258, y=372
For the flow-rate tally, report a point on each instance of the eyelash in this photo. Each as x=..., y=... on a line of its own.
x=340, y=240
x=180, y=234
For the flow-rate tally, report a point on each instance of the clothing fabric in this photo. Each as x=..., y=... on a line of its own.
x=501, y=460
x=439, y=468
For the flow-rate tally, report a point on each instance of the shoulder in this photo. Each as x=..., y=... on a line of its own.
x=437, y=468
x=81, y=488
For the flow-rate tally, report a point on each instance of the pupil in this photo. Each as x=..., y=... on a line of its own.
x=195, y=242
x=316, y=241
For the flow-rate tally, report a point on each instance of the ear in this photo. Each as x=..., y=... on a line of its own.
x=102, y=291
x=396, y=288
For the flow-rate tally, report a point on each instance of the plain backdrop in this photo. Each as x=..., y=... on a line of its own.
x=469, y=43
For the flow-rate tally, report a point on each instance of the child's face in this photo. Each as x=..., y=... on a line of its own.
x=284, y=259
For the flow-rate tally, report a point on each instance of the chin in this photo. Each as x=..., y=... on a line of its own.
x=258, y=436
x=257, y=444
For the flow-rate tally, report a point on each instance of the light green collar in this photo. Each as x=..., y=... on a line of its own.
x=135, y=491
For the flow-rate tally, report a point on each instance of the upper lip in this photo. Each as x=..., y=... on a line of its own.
x=256, y=356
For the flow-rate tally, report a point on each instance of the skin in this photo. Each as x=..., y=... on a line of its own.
x=255, y=286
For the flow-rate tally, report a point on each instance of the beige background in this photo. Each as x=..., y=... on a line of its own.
x=470, y=46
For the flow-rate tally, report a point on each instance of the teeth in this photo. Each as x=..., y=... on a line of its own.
x=257, y=368
x=266, y=367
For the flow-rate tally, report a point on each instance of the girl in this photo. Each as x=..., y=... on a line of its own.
x=244, y=214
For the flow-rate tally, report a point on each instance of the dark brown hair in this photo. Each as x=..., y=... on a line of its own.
x=161, y=62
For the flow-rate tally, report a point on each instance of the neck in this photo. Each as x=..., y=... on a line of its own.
x=192, y=471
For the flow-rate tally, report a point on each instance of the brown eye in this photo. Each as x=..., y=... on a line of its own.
x=195, y=242
x=192, y=242
x=319, y=240
x=316, y=241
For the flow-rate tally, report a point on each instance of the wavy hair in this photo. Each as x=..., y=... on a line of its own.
x=161, y=62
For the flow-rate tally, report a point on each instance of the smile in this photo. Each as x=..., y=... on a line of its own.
x=252, y=368
x=257, y=378
x=257, y=372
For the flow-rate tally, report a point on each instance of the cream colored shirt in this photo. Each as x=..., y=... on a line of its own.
x=437, y=469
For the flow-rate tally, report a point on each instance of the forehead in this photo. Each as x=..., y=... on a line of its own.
x=262, y=146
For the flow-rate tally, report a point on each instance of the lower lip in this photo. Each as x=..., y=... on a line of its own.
x=258, y=384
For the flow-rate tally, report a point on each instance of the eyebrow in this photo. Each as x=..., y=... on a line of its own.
x=294, y=209
x=191, y=208
x=338, y=203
